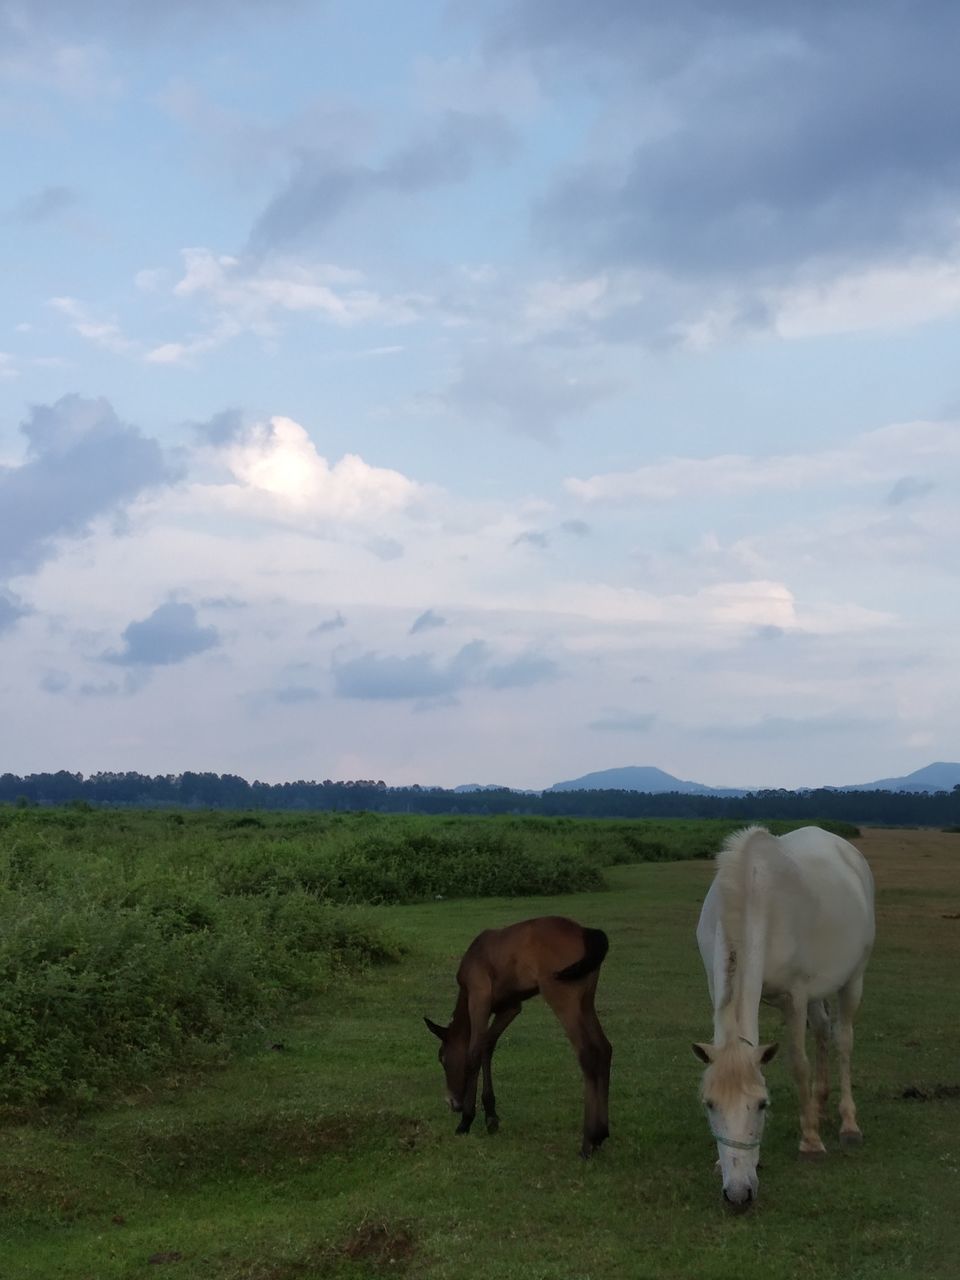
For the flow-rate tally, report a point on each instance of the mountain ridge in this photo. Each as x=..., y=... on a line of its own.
x=941, y=775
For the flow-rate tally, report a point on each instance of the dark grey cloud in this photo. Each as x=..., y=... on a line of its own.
x=336, y=623
x=223, y=428
x=532, y=538
x=624, y=722
x=12, y=610
x=577, y=528
x=82, y=462
x=296, y=693
x=41, y=206
x=323, y=186
x=427, y=621
x=908, y=488
x=521, y=672
x=432, y=681
x=764, y=137
x=421, y=675
x=513, y=387
x=169, y=635
x=55, y=682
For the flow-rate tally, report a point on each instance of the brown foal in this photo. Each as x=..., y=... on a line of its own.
x=549, y=956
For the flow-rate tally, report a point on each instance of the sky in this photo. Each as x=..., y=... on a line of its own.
x=485, y=391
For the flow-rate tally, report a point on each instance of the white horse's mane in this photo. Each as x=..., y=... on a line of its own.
x=735, y=861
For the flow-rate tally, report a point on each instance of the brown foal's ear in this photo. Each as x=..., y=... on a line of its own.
x=766, y=1053
x=704, y=1052
x=439, y=1032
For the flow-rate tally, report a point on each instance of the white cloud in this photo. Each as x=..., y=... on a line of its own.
x=251, y=298
x=103, y=333
x=890, y=297
x=874, y=457
x=279, y=460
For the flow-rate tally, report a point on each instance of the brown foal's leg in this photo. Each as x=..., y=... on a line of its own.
x=479, y=1006
x=604, y=1053
x=496, y=1029
x=565, y=1001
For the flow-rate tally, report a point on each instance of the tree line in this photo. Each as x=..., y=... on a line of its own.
x=228, y=791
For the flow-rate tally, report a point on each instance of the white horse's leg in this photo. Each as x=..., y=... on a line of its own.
x=796, y=1016
x=849, y=1002
x=819, y=1018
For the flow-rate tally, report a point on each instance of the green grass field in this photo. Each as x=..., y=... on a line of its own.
x=334, y=1155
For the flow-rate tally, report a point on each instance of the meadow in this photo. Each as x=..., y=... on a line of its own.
x=299, y=1131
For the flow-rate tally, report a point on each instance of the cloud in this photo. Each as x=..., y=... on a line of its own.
x=224, y=427
x=871, y=458
x=167, y=636
x=293, y=695
x=420, y=675
x=427, y=678
x=385, y=548
x=323, y=186
x=775, y=728
x=427, y=621
x=336, y=623
x=624, y=722
x=516, y=388
x=577, y=528
x=81, y=462
x=41, y=206
x=907, y=488
x=521, y=672
x=240, y=297
x=11, y=610
x=103, y=333
x=55, y=682
x=532, y=538
x=278, y=460
x=861, y=157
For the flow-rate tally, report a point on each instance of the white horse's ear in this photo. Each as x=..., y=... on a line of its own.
x=766, y=1053
x=439, y=1032
x=705, y=1052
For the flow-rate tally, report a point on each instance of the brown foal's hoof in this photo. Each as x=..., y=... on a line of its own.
x=493, y=1124
x=851, y=1140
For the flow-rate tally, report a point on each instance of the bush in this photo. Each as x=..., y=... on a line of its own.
x=484, y=863
x=106, y=980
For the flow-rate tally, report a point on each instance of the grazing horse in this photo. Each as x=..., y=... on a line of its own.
x=550, y=956
x=787, y=920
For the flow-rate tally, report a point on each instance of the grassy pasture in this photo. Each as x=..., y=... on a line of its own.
x=333, y=1155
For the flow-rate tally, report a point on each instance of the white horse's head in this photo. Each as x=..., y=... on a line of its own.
x=735, y=1096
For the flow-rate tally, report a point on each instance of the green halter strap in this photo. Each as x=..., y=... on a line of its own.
x=731, y=1142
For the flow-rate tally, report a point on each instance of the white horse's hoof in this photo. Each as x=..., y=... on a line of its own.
x=813, y=1154
x=851, y=1140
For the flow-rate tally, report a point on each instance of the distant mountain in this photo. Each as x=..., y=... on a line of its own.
x=641, y=778
x=941, y=776
x=482, y=786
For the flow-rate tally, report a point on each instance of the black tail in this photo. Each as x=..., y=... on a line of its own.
x=597, y=944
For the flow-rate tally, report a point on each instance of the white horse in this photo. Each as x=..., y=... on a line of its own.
x=787, y=920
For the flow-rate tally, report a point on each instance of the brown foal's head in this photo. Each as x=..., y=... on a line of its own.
x=453, y=1059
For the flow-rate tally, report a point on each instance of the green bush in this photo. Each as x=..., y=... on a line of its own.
x=483, y=863
x=105, y=982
